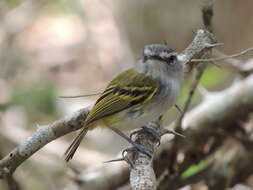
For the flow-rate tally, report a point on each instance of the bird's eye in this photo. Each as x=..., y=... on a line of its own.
x=171, y=59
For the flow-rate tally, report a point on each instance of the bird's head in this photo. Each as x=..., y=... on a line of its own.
x=162, y=59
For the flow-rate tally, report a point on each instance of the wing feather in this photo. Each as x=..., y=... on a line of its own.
x=116, y=98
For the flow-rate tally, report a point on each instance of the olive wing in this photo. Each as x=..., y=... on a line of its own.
x=130, y=88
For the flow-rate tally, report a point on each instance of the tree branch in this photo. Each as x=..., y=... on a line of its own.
x=235, y=65
x=40, y=138
x=224, y=57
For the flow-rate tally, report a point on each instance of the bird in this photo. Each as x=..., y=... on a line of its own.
x=136, y=96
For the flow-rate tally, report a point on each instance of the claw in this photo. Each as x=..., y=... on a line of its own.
x=134, y=133
x=142, y=149
x=154, y=132
x=114, y=160
x=124, y=157
x=138, y=147
x=150, y=130
x=167, y=131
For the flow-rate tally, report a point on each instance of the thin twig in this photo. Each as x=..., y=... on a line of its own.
x=225, y=57
x=178, y=109
x=207, y=14
x=235, y=65
x=187, y=104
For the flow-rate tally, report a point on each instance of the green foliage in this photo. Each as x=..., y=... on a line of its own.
x=13, y=2
x=62, y=6
x=38, y=99
x=196, y=168
x=211, y=78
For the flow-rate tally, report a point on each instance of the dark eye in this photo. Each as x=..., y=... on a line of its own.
x=171, y=59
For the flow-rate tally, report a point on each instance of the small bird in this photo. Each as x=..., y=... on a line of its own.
x=136, y=96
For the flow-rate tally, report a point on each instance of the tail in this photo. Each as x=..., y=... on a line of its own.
x=75, y=144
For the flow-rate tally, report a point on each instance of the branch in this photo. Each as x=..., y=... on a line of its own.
x=224, y=57
x=53, y=152
x=236, y=65
x=207, y=14
x=40, y=138
x=142, y=175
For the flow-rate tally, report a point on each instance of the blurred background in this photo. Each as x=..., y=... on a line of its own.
x=64, y=48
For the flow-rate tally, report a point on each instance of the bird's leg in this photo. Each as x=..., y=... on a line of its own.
x=149, y=130
x=156, y=134
x=136, y=146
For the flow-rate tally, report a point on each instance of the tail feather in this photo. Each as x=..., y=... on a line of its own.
x=75, y=144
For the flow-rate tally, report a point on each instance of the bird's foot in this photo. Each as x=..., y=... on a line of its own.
x=125, y=157
x=155, y=133
x=142, y=149
x=149, y=130
x=135, y=145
